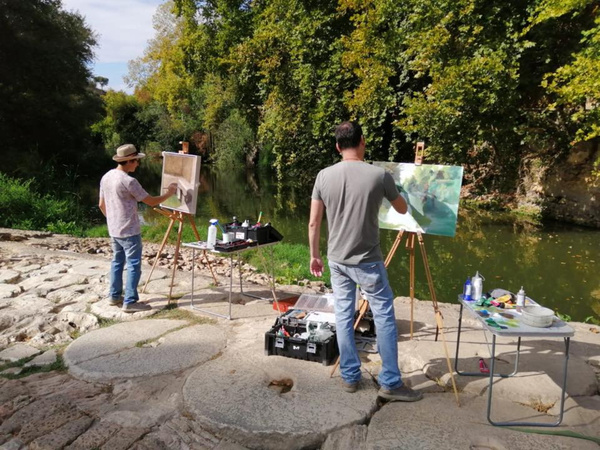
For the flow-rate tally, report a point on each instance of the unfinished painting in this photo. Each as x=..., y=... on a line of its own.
x=432, y=193
x=184, y=170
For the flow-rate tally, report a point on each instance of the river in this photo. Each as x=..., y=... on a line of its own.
x=557, y=264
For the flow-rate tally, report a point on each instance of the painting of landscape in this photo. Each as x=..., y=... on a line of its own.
x=432, y=192
x=183, y=169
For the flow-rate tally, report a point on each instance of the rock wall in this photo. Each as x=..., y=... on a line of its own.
x=567, y=191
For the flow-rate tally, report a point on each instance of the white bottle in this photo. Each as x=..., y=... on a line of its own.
x=520, y=299
x=212, y=233
x=477, y=282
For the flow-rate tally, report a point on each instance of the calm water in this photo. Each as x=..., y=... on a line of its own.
x=558, y=265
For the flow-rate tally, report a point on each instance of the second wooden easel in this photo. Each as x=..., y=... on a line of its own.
x=180, y=217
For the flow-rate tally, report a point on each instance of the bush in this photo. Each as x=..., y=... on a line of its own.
x=22, y=207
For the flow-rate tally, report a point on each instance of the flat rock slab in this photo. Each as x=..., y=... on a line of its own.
x=234, y=396
x=17, y=352
x=9, y=290
x=105, y=310
x=142, y=348
x=45, y=359
x=9, y=276
x=436, y=422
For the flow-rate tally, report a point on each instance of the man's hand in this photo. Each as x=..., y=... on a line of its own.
x=172, y=189
x=316, y=267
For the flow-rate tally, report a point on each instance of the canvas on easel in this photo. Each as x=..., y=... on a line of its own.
x=183, y=169
x=432, y=193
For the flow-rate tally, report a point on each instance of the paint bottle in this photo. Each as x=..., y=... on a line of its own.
x=477, y=282
x=212, y=233
x=520, y=299
x=467, y=290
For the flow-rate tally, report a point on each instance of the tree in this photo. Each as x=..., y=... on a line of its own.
x=47, y=102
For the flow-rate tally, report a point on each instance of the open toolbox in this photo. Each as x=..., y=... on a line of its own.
x=306, y=332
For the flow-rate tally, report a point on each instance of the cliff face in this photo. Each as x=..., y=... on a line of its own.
x=567, y=191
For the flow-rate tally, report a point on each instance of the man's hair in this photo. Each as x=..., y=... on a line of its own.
x=348, y=134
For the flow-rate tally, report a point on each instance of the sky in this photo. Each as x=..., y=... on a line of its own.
x=123, y=28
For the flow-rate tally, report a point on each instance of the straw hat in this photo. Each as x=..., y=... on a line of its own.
x=126, y=152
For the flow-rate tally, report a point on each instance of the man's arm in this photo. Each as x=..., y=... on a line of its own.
x=157, y=200
x=317, y=207
x=400, y=205
x=102, y=206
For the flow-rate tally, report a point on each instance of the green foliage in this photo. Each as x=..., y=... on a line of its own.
x=47, y=95
x=289, y=261
x=22, y=207
x=99, y=231
x=484, y=84
x=592, y=319
x=563, y=317
x=234, y=142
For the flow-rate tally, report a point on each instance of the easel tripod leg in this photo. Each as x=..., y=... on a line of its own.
x=176, y=257
x=162, y=245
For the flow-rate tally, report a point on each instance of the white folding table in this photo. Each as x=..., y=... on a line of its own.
x=558, y=329
x=202, y=245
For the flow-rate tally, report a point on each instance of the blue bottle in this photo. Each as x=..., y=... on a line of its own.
x=468, y=289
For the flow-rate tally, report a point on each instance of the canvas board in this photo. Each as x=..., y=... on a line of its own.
x=432, y=192
x=183, y=169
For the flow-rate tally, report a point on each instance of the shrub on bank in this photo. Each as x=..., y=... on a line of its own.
x=23, y=207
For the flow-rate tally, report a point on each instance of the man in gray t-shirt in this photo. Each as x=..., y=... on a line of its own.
x=350, y=194
x=119, y=197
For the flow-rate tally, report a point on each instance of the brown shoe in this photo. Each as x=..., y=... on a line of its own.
x=350, y=387
x=135, y=307
x=400, y=394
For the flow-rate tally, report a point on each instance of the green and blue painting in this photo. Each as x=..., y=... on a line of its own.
x=432, y=193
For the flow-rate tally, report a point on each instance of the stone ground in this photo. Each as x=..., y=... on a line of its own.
x=176, y=378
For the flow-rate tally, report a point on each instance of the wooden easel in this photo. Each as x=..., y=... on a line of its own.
x=410, y=244
x=177, y=216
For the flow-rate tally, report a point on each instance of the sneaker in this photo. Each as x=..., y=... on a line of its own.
x=350, y=387
x=400, y=394
x=114, y=301
x=135, y=307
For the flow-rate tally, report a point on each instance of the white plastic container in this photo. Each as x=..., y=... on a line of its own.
x=212, y=233
x=537, y=316
x=520, y=299
x=477, y=282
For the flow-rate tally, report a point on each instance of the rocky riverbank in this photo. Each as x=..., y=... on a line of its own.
x=78, y=373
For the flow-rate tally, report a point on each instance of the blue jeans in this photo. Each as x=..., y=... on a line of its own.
x=126, y=250
x=372, y=278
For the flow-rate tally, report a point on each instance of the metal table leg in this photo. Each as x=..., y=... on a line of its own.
x=230, y=288
x=479, y=374
x=536, y=424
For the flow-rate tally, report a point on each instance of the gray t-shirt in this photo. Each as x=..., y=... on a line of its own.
x=352, y=192
x=121, y=194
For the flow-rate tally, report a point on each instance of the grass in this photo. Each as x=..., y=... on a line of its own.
x=58, y=366
x=290, y=262
x=175, y=313
x=23, y=207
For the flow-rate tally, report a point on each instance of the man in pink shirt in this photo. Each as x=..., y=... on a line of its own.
x=119, y=196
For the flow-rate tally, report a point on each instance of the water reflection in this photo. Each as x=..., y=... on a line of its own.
x=557, y=265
